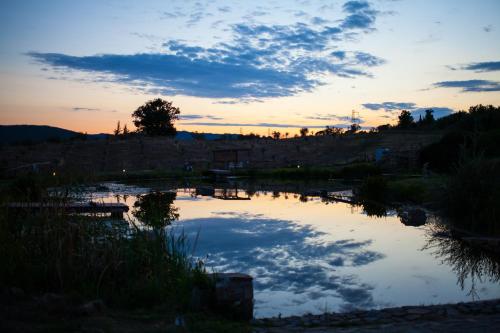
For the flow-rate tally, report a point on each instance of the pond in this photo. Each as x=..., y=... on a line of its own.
x=311, y=255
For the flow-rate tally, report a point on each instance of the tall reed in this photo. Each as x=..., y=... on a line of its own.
x=91, y=258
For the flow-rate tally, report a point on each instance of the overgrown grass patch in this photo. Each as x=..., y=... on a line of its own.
x=353, y=171
x=92, y=259
x=124, y=264
x=416, y=190
x=472, y=195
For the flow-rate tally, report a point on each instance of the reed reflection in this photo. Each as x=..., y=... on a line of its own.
x=469, y=263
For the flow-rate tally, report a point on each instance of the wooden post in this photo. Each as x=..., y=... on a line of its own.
x=234, y=295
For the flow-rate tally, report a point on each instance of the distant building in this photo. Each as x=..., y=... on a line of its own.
x=403, y=159
x=231, y=158
x=380, y=153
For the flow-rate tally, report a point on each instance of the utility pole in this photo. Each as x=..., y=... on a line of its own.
x=355, y=117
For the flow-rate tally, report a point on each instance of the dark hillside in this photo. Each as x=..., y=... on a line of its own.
x=33, y=133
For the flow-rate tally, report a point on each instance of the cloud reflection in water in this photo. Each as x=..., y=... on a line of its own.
x=285, y=258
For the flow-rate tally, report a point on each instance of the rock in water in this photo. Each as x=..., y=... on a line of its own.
x=413, y=217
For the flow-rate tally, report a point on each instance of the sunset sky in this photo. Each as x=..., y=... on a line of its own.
x=249, y=66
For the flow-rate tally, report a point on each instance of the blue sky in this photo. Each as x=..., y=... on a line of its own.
x=255, y=65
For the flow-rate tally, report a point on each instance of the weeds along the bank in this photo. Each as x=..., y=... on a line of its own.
x=89, y=257
x=421, y=190
x=353, y=171
x=472, y=199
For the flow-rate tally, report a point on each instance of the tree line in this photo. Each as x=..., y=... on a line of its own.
x=157, y=117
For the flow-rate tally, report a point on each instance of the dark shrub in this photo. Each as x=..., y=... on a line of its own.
x=374, y=187
x=443, y=156
x=408, y=190
x=359, y=171
x=489, y=143
x=473, y=196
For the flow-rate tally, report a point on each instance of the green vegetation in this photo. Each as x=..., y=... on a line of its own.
x=148, y=174
x=353, y=171
x=416, y=190
x=35, y=187
x=91, y=259
x=477, y=130
x=156, y=117
x=349, y=172
x=129, y=267
x=405, y=119
x=469, y=153
x=473, y=195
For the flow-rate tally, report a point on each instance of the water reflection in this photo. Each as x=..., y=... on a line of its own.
x=233, y=191
x=315, y=250
x=285, y=256
x=372, y=208
x=467, y=262
x=156, y=209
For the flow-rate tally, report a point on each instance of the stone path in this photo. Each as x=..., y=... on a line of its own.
x=481, y=316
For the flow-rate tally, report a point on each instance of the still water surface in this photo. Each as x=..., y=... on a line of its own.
x=309, y=256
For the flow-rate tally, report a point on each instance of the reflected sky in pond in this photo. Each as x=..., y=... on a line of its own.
x=316, y=257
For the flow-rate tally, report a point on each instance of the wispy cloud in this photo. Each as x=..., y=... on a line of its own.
x=76, y=108
x=318, y=20
x=339, y=54
x=172, y=15
x=333, y=117
x=86, y=109
x=197, y=13
x=470, y=85
x=389, y=106
x=238, y=101
x=487, y=66
x=255, y=14
x=198, y=116
x=267, y=125
x=300, y=13
x=488, y=28
x=260, y=61
x=361, y=15
x=224, y=9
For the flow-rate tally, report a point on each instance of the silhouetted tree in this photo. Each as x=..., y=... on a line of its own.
x=304, y=131
x=117, y=130
x=156, y=117
x=405, y=119
x=326, y=131
x=276, y=135
x=429, y=117
x=333, y=131
x=354, y=128
x=384, y=127
x=198, y=136
x=125, y=131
